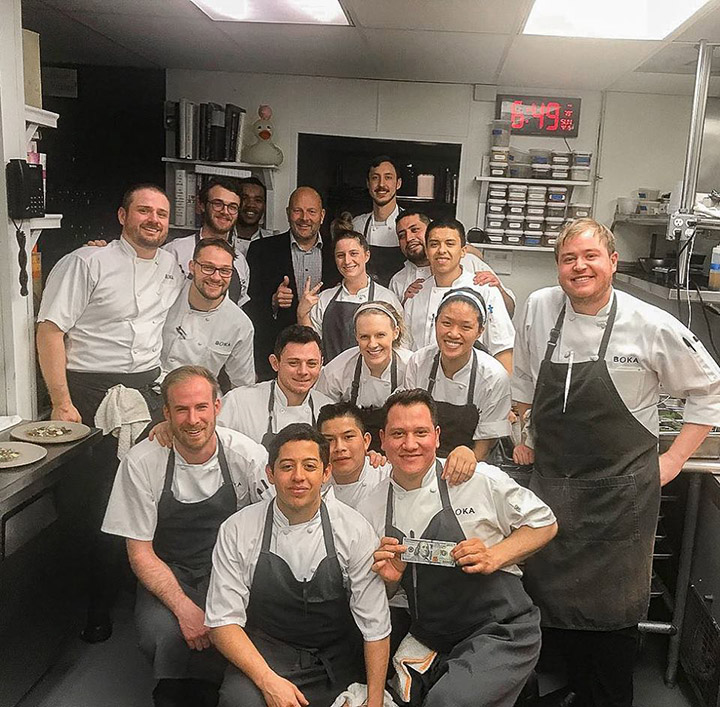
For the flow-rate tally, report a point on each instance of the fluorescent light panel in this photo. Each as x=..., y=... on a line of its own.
x=313, y=12
x=610, y=19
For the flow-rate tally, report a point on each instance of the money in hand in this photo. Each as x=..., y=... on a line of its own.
x=428, y=552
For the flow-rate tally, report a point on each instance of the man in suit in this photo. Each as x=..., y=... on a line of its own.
x=280, y=268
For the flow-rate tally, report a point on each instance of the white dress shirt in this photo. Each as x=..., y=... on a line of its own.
x=370, y=478
x=242, y=245
x=648, y=349
x=379, y=233
x=219, y=337
x=133, y=506
x=491, y=395
x=302, y=546
x=112, y=306
x=183, y=249
x=317, y=313
x=246, y=409
x=420, y=312
x=489, y=506
x=336, y=378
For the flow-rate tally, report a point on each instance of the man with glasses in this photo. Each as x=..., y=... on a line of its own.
x=219, y=201
x=205, y=327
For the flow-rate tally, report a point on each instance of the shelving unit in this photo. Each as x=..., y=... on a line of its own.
x=551, y=182
x=661, y=220
x=526, y=248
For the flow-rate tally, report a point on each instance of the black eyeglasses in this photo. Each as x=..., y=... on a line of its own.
x=219, y=205
x=207, y=269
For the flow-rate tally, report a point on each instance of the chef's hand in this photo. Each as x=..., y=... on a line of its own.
x=65, y=413
x=376, y=459
x=522, y=454
x=413, y=289
x=669, y=468
x=387, y=562
x=192, y=624
x=308, y=300
x=459, y=465
x=486, y=277
x=279, y=692
x=162, y=434
x=283, y=296
x=98, y=244
x=474, y=557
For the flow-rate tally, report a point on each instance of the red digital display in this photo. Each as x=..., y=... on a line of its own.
x=540, y=115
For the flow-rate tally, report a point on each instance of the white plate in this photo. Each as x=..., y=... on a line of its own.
x=76, y=431
x=29, y=454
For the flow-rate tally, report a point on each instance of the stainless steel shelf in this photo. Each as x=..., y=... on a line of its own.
x=501, y=246
x=661, y=220
x=551, y=182
x=663, y=292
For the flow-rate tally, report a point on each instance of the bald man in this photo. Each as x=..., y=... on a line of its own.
x=279, y=268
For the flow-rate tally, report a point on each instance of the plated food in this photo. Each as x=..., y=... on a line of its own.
x=14, y=454
x=7, y=455
x=50, y=432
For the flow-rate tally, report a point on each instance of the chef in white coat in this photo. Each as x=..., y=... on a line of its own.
x=445, y=248
x=470, y=387
x=293, y=603
x=168, y=505
x=253, y=200
x=589, y=365
x=219, y=203
x=205, y=327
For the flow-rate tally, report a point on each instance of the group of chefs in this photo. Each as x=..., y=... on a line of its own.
x=311, y=517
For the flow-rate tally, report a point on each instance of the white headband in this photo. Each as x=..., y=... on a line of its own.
x=469, y=295
x=381, y=306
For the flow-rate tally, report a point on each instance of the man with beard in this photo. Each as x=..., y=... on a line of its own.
x=281, y=267
x=219, y=201
x=168, y=504
x=252, y=212
x=204, y=326
x=411, y=227
x=378, y=226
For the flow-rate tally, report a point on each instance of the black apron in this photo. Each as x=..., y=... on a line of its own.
x=597, y=467
x=457, y=422
x=304, y=626
x=235, y=290
x=338, y=325
x=384, y=261
x=184, y=539
x=269, y=434
x=477, y=600
x=372, y=417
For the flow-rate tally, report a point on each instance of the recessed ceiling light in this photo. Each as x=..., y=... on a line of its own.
x=312, y=12
x=610, y=19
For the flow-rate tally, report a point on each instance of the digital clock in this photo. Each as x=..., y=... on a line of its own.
x=540, y=115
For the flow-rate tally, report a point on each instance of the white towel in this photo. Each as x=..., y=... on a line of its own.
x=356, y=696
x=410, y=654
x=124, y=412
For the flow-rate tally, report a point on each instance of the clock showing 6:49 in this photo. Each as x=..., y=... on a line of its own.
x=550, y=116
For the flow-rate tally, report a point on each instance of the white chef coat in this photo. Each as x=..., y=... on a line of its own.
x=133, y=506
x=648, y=348
x=379, y=233
x=491, y=395
x=489, y=506
x=242, y=245
x=336, y=378
x=220, y=337
x=370, y=478
x=420, y=311
x=183, y=249
x=246, y=409
x=317, y=313
x=302, y=546
x=410, y=272
x=112, y=306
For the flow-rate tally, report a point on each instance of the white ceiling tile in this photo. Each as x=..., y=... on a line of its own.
x=571, y=63
x=436, y=56
x=705, y=26
x=136, y=8
x=489, y=16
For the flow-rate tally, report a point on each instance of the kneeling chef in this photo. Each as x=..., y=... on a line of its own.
x=169, y=504
x=484, y=643
x=293, y=601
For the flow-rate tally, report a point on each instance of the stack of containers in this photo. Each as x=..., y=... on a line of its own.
x=500, y=148
x=561, y=164
x=496, y=209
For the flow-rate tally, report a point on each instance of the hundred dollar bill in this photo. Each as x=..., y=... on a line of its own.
x=428, y=552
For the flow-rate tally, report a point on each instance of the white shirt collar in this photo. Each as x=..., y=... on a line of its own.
x=127, y=248
x=428, y=480
x=281, y=521
x=361, y=478
x=281, y=398
x=362, y=291
x=602, y=314
x=390, y=219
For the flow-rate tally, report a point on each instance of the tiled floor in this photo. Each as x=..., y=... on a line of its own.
x=114, y=674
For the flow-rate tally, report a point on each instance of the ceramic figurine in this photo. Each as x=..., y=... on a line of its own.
x=263, y=150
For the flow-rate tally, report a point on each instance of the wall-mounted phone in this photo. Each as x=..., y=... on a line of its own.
x=24, y=190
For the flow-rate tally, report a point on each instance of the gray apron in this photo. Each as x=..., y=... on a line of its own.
x=384, y=261
x=597, y=467
x=269, y=434
x=338, y=326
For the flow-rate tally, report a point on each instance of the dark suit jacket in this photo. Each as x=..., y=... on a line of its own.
x=270, y=260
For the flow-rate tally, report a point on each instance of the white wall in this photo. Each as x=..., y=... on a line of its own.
x=643, y=136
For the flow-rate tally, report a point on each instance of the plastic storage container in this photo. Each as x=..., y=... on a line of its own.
x=497, y=191
x=535, y=209
x=498, y=169
x=495, y=235
x=516, y=208
x=553, y=223
x=537, y=193
x=540, y=156
x=496, y=206
x=535, y=226
x=519, y=156
x=555, y=210
x=541, y=171
x=647, y=193
x=648, y=208
x=579, y=210
x=520, y=170
x=499, y=154
x=517, y=192
x=533, y=238
x=560, y=172
x=581, y=159
x=580, y=174
x=627, y=205
x=514, y=223
x=561, y=157
x=557, y=195
x=500, y=133
x=549, y=239
x=513, y=238
x=494, y=221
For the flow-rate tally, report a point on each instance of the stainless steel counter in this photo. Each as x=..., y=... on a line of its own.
x=634, y=282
